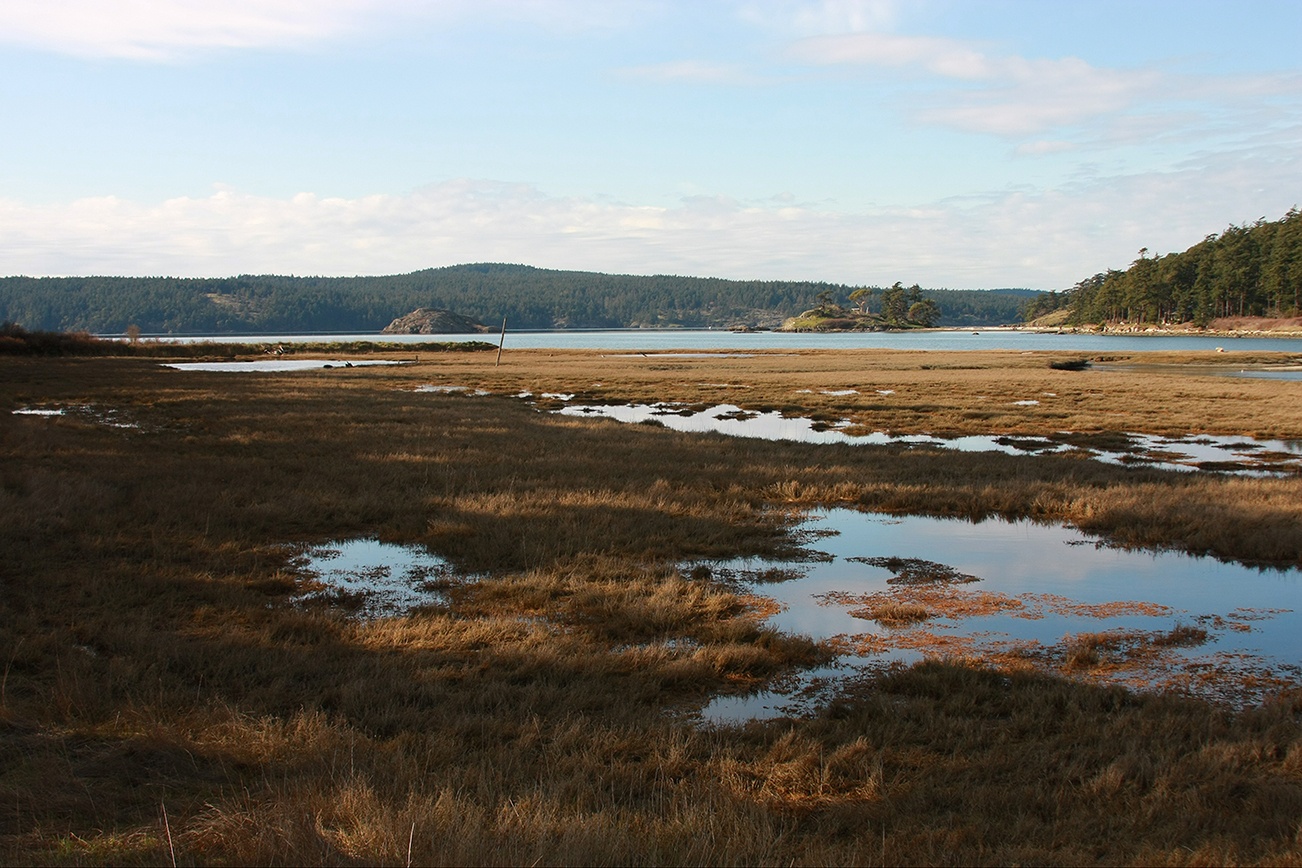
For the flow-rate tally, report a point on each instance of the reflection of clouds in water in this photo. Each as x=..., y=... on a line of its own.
x=1026, y=561
x=1268, y=375
x=1021, y=555
x=274, y=365
x=1240, y=454
x=387, y=578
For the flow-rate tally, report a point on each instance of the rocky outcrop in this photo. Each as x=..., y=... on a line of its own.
x=430, y=321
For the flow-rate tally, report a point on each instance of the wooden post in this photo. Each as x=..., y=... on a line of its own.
x=500, y=343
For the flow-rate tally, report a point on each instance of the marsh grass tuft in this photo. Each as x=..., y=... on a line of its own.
x=892, y=613
x=1182, y=636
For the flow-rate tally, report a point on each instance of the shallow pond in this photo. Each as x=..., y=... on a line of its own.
x=87, y=413
x=452, y=390
x=276, y=365
x=890, y=590
x=372, y=578
x=1295, y=375
x=1230, y=454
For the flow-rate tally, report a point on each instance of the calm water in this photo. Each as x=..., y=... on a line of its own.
x=273, y=365
x=1227, y=453
x=1050, y=582
x=684, y=339
x=375, y=578
x=1023, y=589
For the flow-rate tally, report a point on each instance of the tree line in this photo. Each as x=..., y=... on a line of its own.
x=1249, y=270
x=893, y=307
x=529, y=298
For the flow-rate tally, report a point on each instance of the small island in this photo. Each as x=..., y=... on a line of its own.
x=434, y=321
x=897, y=308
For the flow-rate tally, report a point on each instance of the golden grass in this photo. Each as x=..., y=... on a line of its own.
x=154, y=663
x=943, y=393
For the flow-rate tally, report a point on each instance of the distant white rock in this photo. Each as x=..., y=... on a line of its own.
x=432, y=321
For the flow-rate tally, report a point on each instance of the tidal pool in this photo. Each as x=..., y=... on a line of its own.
x=375, y=579
x=1294, y=374
x=1194, y=452
x=81, y=412
x=276, y=365
x=452, y=390
x=895, y=590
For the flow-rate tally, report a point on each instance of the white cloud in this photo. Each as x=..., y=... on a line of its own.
x=1044, y=146
x=1003, y=95
x=1041, y=238
x=693, y=71
x=159, y=29
x=162, y=30
x=1031, y=96
x=947, y=57
x=816, y=18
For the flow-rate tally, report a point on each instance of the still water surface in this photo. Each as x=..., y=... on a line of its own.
x=1226, y=453
x=709, y=339
x=375, y=579
x=1024, y=593
x=1039, y=585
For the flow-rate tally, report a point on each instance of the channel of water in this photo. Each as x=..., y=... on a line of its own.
x=1226, y=453
x=276, y=365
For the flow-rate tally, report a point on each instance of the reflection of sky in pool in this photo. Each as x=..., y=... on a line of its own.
x=381, y=578
x=81, y=412
x=1269, y=375
x=275, y=365
x=1022, y=558
x=1169, y=453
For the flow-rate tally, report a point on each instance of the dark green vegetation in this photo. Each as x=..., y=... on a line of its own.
x=529, y=298
x=873, y=309
x=1246, y=271
x=18, y=341
x=164, y=699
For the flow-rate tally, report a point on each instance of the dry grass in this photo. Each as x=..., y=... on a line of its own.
x=943, y=393
x=153, y=660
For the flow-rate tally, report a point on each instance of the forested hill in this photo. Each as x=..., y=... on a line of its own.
x=530, y=298
x=1245, y=271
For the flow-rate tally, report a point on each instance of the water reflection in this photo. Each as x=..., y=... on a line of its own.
x=712, y=340
x=372, y=578
x=1268, y=375
x=1047, y=598
x=1231, y=454
x=81, y=412
x=452, y=390
x=276, y=365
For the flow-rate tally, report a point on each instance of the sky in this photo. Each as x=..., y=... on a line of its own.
x=1027, y=143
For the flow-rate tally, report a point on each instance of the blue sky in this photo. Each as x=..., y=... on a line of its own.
x=959, y=144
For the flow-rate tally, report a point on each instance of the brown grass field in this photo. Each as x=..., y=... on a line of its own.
x=165, y=699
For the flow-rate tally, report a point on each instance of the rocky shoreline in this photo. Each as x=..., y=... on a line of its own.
x=1237, y=327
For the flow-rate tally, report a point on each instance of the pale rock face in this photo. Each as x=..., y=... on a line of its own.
x=429, y=321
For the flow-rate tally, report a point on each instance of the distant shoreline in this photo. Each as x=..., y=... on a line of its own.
x=1230, y=327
